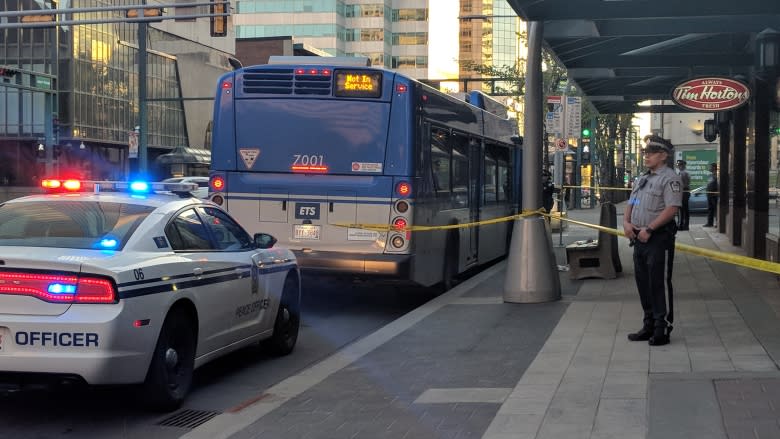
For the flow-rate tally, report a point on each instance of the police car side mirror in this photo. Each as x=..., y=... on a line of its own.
x=264, y=240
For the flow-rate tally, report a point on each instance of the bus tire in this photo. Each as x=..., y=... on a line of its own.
x=169, y=377
x=450, y=263
x=288, y=319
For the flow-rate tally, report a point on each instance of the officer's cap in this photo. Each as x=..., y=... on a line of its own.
x=657, y=144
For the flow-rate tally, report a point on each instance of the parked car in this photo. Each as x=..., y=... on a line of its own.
x=698, y=201
x=112, y=283
x=202, y=182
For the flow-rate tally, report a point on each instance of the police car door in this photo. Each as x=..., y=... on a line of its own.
x=248, y=292
x=210, y=278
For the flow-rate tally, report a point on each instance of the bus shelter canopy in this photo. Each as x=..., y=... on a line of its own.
x=182, y=155
x=620, y=53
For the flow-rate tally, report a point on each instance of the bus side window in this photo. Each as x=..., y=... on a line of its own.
x=460, y=172
x=489, y=194
x=440, y=161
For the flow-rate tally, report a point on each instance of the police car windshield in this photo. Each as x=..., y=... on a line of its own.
x=70, y=224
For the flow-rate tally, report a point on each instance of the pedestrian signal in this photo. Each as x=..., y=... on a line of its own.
x=585, y=133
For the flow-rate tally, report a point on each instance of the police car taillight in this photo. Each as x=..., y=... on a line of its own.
x=58, y=288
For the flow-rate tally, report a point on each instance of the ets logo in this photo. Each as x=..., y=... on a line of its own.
x=307, y=210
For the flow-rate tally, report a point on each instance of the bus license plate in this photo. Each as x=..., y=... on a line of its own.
x=306, y=231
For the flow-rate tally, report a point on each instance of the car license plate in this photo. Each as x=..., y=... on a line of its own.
x=5, y=340
x=306, y=231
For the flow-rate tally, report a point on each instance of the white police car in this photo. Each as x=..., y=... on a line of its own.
x=108, y=287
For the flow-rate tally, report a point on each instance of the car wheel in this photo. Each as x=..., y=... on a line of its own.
x=170, y=374
x=288, y=319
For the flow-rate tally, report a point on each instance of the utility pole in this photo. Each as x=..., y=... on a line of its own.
x=143, y=126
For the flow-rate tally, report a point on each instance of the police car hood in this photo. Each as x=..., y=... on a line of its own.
x=43, y=259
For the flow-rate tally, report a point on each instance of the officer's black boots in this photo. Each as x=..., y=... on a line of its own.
x=643, y=334
x=660, y=337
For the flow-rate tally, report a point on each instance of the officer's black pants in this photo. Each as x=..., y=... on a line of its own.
x=649, y=265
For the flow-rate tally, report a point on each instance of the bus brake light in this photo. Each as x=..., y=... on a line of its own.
x=321, y=169
x=217, y=184
x=400, y=223
x=227, y=84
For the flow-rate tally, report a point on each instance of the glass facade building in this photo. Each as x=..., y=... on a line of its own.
x=74, y=102
x=392, y=33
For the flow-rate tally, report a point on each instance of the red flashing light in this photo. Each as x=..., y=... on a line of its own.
x=51, y=184
x=87, y=289
x=71, y=185
x=227, y=84
x=400, y=223
x=401, y=88
x=309, y=168
x=403, y=189
x=55, y=185
x=217, y=183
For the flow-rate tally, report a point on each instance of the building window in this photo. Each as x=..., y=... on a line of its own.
x=409, y=62
x=410, y=38
x=410, y=15
x=374, y=34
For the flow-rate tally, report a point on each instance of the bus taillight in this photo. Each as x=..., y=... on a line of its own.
x=401, y=88
x=400, y=223
x=227, y=84
x=403, y=189
x=217, y=184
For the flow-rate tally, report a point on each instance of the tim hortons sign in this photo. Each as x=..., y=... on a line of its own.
x=711, y=94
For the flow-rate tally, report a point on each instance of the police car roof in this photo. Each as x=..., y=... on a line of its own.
x=153, y=200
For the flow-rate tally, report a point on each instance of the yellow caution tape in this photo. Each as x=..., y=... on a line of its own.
x=391, y=228
x=742, y=261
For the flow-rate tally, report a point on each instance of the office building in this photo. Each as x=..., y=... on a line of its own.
x=71, y=106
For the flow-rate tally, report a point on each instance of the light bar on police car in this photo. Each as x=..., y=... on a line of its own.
x=138, y=187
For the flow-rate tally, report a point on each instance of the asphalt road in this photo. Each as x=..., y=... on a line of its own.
x=335, y=313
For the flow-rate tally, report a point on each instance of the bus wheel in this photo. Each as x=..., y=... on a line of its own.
x=450, y=265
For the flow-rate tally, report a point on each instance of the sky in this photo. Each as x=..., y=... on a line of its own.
x=443, y=38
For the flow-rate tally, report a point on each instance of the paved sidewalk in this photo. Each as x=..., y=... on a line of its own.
x=467, y=365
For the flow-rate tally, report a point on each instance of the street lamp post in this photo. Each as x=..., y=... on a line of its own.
x=143, y=130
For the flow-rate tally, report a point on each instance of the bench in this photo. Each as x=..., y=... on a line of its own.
x=596, y=258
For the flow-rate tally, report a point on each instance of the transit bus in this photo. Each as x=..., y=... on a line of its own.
x=302, y=147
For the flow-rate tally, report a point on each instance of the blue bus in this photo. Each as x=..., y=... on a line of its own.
x=303, y=146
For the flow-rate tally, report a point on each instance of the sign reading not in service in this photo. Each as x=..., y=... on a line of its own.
x=711, y=94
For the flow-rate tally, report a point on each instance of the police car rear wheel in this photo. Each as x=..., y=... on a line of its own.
x=170, y=374
x=288, y=319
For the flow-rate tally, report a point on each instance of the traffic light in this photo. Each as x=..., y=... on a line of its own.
x=219, y=24
x=7, y=72
x=133, y=13
x=586, y=133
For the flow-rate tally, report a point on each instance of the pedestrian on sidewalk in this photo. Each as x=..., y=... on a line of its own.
x=685, y=214
x=649, y=222
x=712, y=195
x=548, y=190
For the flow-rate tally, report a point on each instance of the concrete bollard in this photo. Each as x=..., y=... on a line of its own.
x=531, y=270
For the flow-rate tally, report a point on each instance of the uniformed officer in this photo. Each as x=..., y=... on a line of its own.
x=685, y=177
x=649, y=223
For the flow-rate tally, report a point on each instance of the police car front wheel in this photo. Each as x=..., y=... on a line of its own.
x=170, y=374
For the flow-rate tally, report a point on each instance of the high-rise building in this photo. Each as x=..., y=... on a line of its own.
x=490, y=36
x=392, y=33
x=72, y=104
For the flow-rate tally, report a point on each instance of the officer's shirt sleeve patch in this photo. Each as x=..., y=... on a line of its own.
x=675, y=185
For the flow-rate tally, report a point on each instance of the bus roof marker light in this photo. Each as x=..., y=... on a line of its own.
x=300, y=71
x=326, y=72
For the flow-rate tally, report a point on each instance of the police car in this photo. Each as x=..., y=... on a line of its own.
x=111, y=283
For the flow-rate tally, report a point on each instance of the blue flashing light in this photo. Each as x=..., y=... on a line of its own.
x=139, y=186
x=62, y=289
x=108, y=243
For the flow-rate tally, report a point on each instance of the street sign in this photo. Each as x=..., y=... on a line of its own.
x=132, y=144
x=555, y=115
x=573, y=116
x=561, y=144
